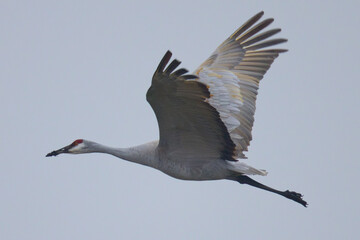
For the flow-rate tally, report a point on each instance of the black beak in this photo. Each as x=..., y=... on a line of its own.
x=57, y=152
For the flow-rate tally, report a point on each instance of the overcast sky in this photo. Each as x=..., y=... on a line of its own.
x=80, y=69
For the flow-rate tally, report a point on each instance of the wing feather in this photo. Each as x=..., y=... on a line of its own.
x=191, y=130
x=233, y=73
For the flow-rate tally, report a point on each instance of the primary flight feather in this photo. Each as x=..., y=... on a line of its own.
x=205, y=118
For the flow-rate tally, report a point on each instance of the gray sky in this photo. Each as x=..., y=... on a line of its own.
x=73, y=69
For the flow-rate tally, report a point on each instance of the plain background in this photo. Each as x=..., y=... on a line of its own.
x=80, y=69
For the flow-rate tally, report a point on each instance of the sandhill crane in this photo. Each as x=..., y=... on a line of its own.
x=205, y=118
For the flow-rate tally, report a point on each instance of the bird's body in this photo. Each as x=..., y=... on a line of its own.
x=205, y=119
x=150, y=155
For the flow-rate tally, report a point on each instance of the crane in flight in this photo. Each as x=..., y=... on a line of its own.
x=205, y=118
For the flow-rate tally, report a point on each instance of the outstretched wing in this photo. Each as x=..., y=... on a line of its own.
x=232, y=74
x=190, y=128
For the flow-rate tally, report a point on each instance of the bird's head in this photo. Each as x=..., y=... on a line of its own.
x=76, y=147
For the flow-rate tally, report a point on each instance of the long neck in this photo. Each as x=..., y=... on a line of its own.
x=144, y=154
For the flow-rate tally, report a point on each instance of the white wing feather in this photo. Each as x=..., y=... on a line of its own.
x=232, y=74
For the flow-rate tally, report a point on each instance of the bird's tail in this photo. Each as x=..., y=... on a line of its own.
x=245, y=169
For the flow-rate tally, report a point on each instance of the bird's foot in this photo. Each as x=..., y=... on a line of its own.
x=297, y=197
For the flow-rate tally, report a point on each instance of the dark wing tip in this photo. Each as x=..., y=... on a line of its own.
x=264, y=44
x=164, y=61
x=247, y=24
x=255, y=30
x=189, y=76
x=282, y=50
x=256, y=17
x=171, y=67
x=180, y=72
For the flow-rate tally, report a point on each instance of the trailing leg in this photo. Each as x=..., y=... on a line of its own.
x=297, y=197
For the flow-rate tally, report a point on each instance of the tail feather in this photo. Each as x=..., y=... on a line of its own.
x=245, y=169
